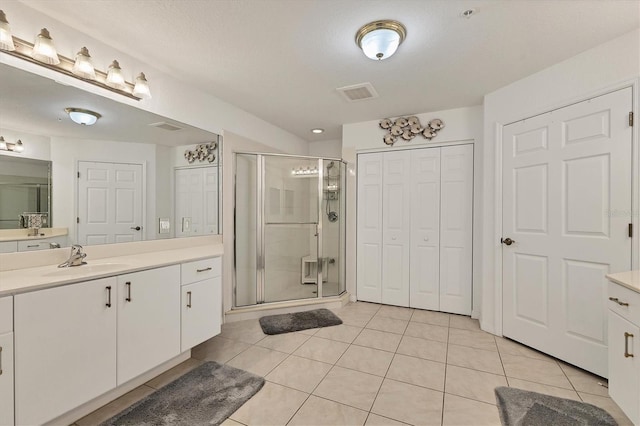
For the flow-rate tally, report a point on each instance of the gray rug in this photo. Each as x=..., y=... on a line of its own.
x=206, y=395
x=518, y=407
x=286, y=323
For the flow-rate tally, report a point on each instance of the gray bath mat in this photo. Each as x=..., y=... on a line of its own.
x=286, y=323
x=206, y=395
x=518, y=407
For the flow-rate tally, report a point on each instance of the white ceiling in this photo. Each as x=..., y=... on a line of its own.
x=283, y=59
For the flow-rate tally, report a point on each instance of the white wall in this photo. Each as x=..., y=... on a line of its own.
x=35, y=146
x=596, y=71
x=329, y=149
x=461, y=125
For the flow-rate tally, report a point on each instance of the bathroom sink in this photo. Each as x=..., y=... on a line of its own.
x=86, y=269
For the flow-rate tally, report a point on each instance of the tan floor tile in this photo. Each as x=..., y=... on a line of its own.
x=367, y=307
x=476, y=359
x=319, y=411
x=533, y=370
x=309, y=331
x=473, y=384
x=258, y=360
x=341, y=333
x=464, y=322
x=417, y=371
x=390, y=325
x=285, y=342
x=506, y=346
x=427, y=331
x=172, y=374
x=376, y=420
x=396, y=312
x=473, y=339
x=431, y=317
x=366, y=360
x=299, y=373
x=218, y=349
x=323, y=350
x=378, y=340
x=248, y=331
x=583, y=381
x=545, y=389
x=460, y=411
x=353, y=317
x=408, y=403
x=349, y=387
x=111, y=409
x=608, y=405
x=230, y=422
x=422, y=348
x=272, y=405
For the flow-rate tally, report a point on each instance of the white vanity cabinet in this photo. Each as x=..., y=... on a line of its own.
x=624, y=350
x=6, y=360
x=201, y=301
x=148, y=320
x=65, y=348
x=42, y=243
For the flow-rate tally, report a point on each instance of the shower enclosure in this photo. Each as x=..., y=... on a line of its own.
x=289, y=228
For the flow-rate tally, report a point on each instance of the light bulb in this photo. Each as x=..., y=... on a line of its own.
x=141, y=89
x=115, y=78
x=44, y=50
x=3, y=144
x=6, y=40
x=19, y=147
x=83, y=66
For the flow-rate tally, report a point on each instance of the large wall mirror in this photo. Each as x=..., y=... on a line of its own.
x=131, y=176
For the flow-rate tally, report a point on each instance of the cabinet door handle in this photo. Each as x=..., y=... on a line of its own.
x=108, y=296
x=203, y=270
x=0, y=360
x=626, y=344
x=615, y=299
x=128, y=284
x=188, y=299
x=32, y=246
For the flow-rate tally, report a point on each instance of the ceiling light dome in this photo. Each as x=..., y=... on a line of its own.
x=380, y=39
x=82, y=116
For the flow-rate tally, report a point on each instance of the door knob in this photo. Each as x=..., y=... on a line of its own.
x=136, y=228
x=507, y=241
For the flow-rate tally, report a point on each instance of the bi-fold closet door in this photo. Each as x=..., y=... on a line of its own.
x=414, y=243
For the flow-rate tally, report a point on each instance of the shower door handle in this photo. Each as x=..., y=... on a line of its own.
x=317, y=232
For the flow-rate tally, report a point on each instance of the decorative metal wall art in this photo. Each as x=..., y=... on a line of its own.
x=203, y=152
x=408, y=128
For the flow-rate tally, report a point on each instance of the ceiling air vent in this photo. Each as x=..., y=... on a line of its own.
x=358, y=92
x=166, y=126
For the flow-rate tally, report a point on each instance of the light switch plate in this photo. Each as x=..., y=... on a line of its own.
x=164, y=225
x=186, y=224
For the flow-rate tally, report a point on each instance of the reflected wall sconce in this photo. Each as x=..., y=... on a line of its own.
x=43, y=52
x=82, y=116
x=380, y=39
x=17, y=146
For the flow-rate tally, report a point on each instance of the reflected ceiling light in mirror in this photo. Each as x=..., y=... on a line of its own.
x=82, y=116
x=317, y=131
x=6, y=39
x=83, y=67
x=380, y=39
x=18, y=146
x=115, y=78
x=44, y=50
x=141, y=89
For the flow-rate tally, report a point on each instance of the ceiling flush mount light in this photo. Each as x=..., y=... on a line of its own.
x=9, y=146
x=317, y=131
x=83, y=67
x=82, y=116
x=6, y=39
x=141, y=89
x=380, y=39
x=44, y=50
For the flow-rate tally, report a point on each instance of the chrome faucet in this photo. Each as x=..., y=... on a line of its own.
x=76, y=258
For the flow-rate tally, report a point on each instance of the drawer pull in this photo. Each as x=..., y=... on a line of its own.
x=626, y=344
x=108, y=296
x=0, y=360
x=32, y=246
x=615, y=299
x=188, y=299
x=203, y=270
x=128, y=284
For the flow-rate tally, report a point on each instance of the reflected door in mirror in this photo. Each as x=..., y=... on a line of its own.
x=196, y=198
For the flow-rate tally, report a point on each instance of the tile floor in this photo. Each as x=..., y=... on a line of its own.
x=384, y=366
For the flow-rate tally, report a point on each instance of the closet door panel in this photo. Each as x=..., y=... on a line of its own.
x=369, y=228
x=456, y=212
x=425, y=229
x=396, y=216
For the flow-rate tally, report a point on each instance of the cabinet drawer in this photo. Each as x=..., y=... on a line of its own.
x=6, y=314
x=201, y=270
x=624, y=296
x=30, y=245
x=8, y=246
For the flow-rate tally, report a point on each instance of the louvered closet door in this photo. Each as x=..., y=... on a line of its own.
x=396, y=217
x=369, y=237
x=456, y=228
x=425, y=229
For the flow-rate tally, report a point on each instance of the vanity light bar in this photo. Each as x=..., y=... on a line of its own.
x=305, y=171
x=18, y=146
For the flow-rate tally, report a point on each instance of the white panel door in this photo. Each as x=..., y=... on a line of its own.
x=210, y=201
x=567, y=205
x=109, y=202
x=201, y=311
x=396, y=217
x=425, y=229
x=189, y=202
x=456, y=228
x=369, y=237
x=6, y=379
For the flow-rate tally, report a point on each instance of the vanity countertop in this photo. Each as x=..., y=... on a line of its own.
x=22, y=234
x=37, y=278
x=629, y=279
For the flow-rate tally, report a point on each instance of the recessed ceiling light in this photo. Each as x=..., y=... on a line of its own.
x=467, y=13
x=317, y=131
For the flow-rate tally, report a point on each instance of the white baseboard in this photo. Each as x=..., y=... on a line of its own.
x=257, y=311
